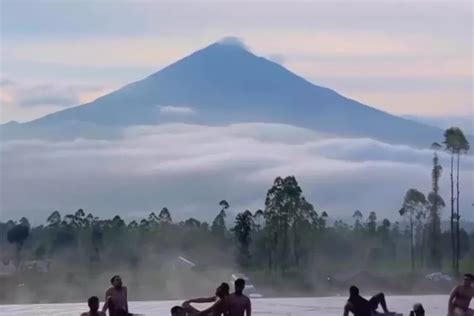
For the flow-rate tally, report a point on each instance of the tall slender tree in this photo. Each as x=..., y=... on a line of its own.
x=436, y=203
x=449, y=142
x=420, y=225
x=218, y=227
x=463, y=148
x=455, y=143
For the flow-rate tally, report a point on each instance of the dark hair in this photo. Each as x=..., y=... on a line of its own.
x=353, y=290
x=225, y=287
x=176, y=309
x=113, y=278
x=418, y=310
x=418, y=307
x=469, y=276
x=239, y=283
x=92, y=300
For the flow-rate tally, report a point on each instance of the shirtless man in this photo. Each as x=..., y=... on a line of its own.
x=116, y=297
x=217, y=309
x=461, y=297
x=93, y=303
x=359, y=306
x=237, y=302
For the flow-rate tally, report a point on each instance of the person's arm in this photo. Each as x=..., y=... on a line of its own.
x=347, y=309
x=211, y=309
x=106, y=302
x=452, y=296
x=202, y=300
x=248, y=308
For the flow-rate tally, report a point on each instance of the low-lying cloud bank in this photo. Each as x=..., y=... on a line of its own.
x=190, y=168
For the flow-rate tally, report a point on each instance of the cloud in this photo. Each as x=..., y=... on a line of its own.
x=176, y=110
x=28, y=95
x=190, y=168
x=233, y=41
x=29, y=100
x=46, y=95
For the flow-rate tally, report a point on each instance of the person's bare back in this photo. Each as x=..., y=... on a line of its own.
x=238, y=304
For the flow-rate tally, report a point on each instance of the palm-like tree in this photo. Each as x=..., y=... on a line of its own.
x=455, y=143
x=436, y=203
x=224, y=204
x=449, y=146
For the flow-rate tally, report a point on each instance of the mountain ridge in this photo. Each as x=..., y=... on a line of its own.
x=224, y=84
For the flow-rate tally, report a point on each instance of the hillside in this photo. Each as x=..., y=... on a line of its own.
x=222, y=84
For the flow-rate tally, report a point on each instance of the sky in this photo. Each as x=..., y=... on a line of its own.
x=404, y=57
x=410, y=58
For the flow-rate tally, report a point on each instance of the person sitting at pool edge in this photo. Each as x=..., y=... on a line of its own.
x=359, y=306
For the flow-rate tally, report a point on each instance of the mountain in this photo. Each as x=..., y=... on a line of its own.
x=220, y=84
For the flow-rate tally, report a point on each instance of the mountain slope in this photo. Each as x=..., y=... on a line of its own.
x=221, y=84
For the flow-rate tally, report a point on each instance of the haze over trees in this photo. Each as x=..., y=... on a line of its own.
x=289, y=240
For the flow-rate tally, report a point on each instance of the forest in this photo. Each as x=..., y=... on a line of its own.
x=288, y=247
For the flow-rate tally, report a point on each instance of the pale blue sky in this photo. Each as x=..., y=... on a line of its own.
x=412, y=57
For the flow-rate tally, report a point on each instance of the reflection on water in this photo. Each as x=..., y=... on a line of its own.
x=435, y=305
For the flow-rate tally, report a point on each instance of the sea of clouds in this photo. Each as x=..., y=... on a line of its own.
x=190, y=168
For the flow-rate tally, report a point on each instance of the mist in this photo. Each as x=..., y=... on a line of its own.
x=189, y=168
x=133, y=206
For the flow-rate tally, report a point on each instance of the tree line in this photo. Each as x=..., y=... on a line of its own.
x=289, y=234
